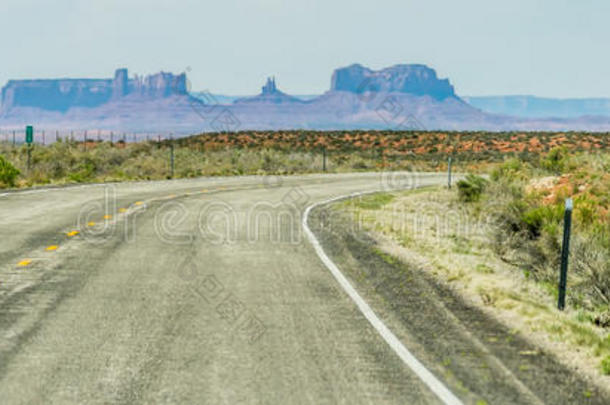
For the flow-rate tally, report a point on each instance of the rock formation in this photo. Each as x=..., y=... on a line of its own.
x=270, y=94
x=401, y=97
x=62, y=94
x=418, y=80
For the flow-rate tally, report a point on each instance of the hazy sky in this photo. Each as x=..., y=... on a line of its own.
x=553, y=48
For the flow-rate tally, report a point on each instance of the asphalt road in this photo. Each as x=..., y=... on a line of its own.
x=200, y=291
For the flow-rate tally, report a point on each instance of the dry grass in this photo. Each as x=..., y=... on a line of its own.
x=433, y=230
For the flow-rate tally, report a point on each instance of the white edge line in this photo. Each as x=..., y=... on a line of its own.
x=435, y=385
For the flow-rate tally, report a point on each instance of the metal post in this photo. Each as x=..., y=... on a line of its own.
x=13, y=138
x=449, y=173
x=56, y=136
x=111, y=138
x=565, y=251
x=29, y=156
x=43, y=139
x=323, y=159
x=171, y=157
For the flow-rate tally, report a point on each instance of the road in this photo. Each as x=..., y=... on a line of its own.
x=195, y=291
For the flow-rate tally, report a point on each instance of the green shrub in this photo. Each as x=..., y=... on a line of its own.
x=8, y=173
x=508, y=169
x=471, y=188
x=556, y=161
x=605, y=365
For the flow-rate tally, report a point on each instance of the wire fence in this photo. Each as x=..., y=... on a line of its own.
x=47, y=137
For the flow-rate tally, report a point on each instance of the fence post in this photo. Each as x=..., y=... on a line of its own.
x=565, y=251
x=13, y=137
x=449, y=173
x=171, y=157
x=324, y=159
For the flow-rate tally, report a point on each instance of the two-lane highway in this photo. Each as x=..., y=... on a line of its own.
x=211, y=291
x=210, y=294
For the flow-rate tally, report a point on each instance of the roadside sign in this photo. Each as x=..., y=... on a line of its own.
x=29, y=134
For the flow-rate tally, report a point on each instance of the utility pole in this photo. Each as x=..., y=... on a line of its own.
x=565, y=251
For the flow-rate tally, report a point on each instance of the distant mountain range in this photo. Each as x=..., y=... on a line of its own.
x=538, y=107
x=401, y=97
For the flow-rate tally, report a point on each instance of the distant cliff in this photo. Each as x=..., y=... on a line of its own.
x=62, y=94
x=418, y=80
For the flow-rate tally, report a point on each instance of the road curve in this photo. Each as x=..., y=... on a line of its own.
x=189, y=291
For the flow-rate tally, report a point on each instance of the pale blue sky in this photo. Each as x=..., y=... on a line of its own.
x=555, y=48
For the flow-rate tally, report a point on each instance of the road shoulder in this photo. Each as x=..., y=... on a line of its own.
x=481, y=359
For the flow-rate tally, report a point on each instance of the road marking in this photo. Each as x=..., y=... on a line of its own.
x=51, y=248
x=91, y=223
x=24, y=262
x=435, y=385
x=72, y=233
x=122, y=210
x=138, y=203
x=107, y=216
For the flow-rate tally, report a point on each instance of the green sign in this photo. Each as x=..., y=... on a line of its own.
x=29, y=134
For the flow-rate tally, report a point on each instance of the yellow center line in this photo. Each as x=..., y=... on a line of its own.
x=24, y=262
x=107, y=216
x=72, y=233
x=138, y=203
x=122, y=210
x=91, y=223
x=52, y=248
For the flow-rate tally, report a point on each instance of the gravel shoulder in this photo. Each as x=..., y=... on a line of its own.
x=423, y=290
